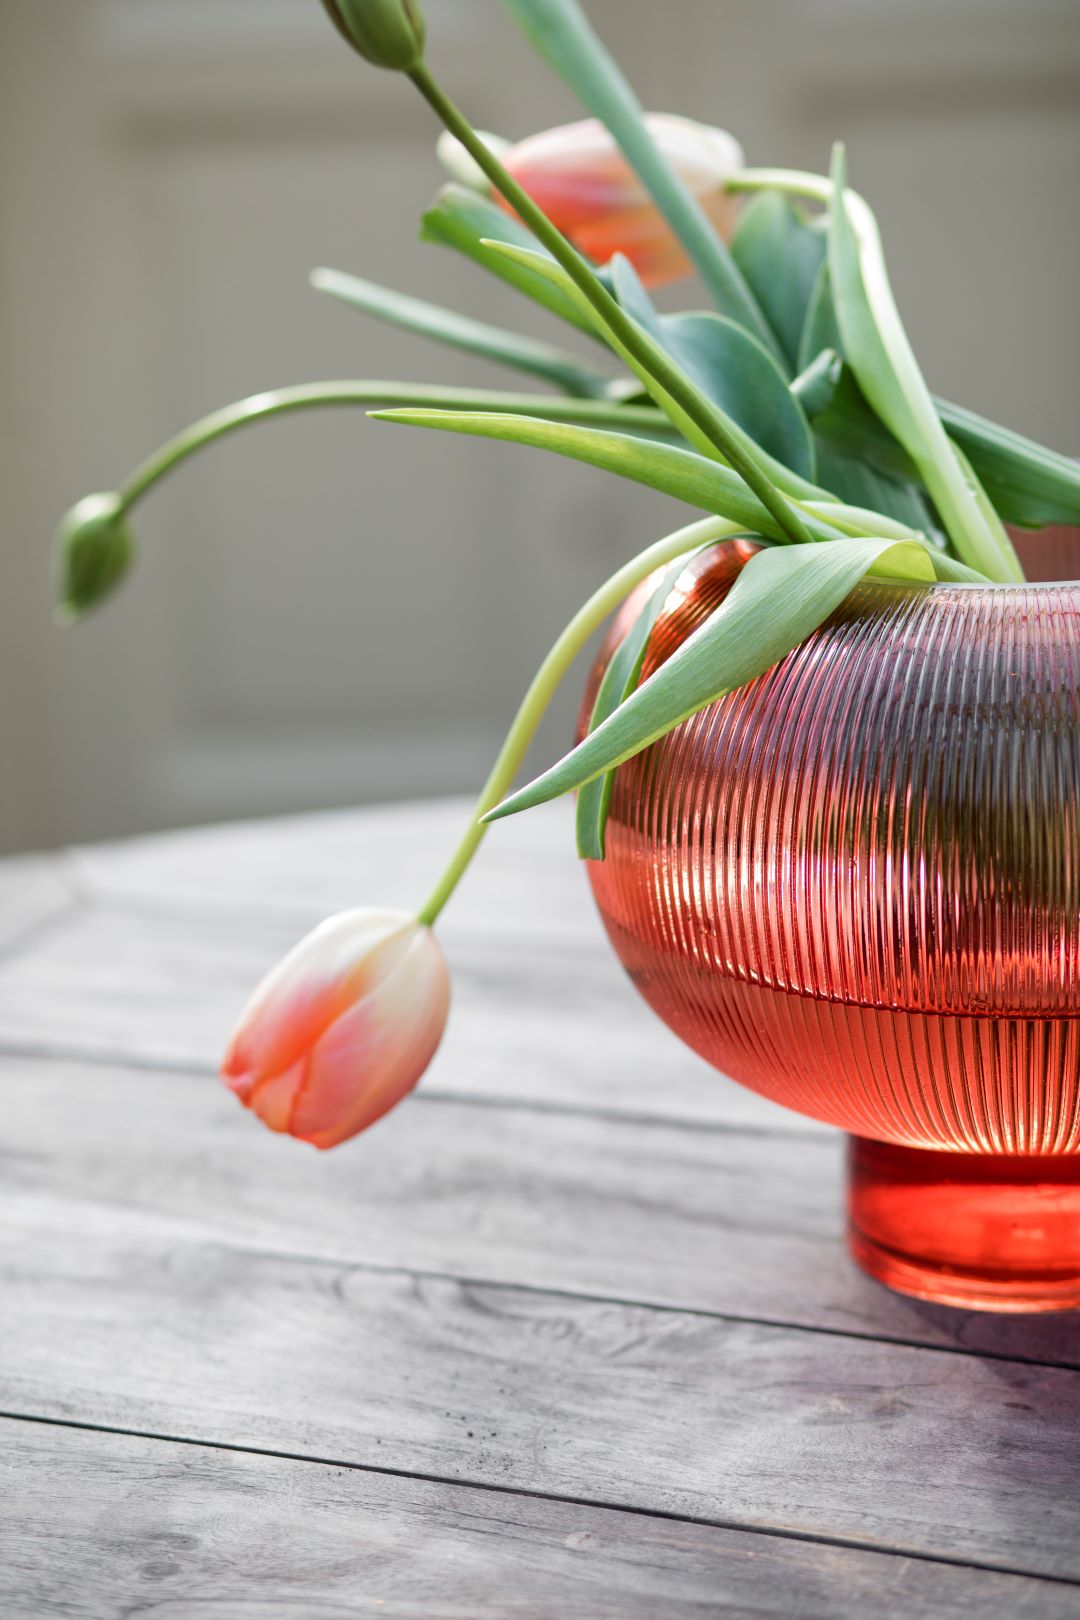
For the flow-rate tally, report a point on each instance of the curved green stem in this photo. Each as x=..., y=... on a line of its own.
x=697, y=407
x=306, y=396
x=541, y=690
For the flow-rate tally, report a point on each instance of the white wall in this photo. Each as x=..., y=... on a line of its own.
x=330, y=610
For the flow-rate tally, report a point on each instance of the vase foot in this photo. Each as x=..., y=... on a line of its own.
x=990, y=1232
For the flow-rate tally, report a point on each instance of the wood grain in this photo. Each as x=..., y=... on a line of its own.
x=526, y=879
x=129, y=1324
x=532, y=1020
x=572, y=1331
x=747, y=1224
x=104, y=1524
x=34, y=889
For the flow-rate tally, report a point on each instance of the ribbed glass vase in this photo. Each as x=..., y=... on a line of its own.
x=854, y=886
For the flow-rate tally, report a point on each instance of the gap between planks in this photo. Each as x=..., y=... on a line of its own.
x=490, y=1487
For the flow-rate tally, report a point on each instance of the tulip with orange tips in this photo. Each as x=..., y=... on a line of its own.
x=343, y=1028
x=584, y=184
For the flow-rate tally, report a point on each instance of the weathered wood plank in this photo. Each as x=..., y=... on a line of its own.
x=745, y=1225
x=525, y=880
x=33, y=889
x=133, y=1326
x=107, y=1524
x=533, y=1020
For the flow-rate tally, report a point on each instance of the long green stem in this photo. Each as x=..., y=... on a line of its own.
x=307, y=396
x=687, y=396
x=587, y=619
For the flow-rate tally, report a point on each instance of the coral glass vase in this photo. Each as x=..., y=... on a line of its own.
x=854, y=886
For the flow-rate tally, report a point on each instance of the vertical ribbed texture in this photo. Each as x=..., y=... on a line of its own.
x=854, y=885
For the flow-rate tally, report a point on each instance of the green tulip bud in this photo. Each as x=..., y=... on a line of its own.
x=94, y=551
x=389, y=33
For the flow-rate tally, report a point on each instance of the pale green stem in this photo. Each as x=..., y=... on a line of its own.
x=587, y=619
x=306, y=396
x=655, y=360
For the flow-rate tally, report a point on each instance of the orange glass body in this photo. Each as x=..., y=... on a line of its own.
x=854, y=886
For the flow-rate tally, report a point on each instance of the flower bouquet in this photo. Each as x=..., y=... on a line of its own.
x=828, y=766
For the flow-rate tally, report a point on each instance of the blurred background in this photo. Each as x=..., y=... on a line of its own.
x=329, y=611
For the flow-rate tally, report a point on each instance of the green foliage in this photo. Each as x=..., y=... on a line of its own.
x=619, y=680
x=556, y=366
x=560, y=32
x=732, y=369
x=472, y=225
x=781, y=253
x=781, y=596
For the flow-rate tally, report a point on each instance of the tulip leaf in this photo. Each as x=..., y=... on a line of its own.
x=1028, y=484
x=561, y=34
x=529, y=354
x=861, y=483
x=877, y=347
x=619, y=680
x=732, y=369
x=781, y=596
x=820, y=329
x=641, y=309
x=471, y=224
x=780, y=251
x=709, y=485
x=741, y=376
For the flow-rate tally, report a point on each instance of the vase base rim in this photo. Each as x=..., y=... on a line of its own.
x=971, y=1290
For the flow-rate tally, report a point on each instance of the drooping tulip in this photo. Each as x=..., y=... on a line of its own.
x=343, y=1027
x=581, y=180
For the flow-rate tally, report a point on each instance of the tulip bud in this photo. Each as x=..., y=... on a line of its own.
x=389, y=33
x=94, y=551
x=343, y=1027
x=585, y=186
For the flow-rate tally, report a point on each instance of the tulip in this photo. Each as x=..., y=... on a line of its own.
x=581, y=180
x=343, y=1028
x=94, y=551
x=389, y=33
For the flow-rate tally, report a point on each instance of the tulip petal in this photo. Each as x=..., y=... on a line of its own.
x=374, y=1055
x=325, y=974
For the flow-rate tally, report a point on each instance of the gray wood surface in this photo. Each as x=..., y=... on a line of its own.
x=572, y=1332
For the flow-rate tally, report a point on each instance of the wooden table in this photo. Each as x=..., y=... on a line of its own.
x=570, y=1334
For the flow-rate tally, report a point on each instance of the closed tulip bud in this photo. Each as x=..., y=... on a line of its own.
x=585, y=186
x=343, y=1027
x=389, y=33
x=94, y=552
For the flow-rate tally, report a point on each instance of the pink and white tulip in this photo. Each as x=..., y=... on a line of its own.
x=581, y=180
x=343, y=1027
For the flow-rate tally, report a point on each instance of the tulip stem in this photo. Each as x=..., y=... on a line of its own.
x=547, y=678
x=305, y=396
x=655, y=360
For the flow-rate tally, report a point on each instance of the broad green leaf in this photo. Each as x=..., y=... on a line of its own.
x=462, y=332
x=782, y=596
x=1028, y=484
x=882, y=358
x=860, y=483
x=560, y=32
x=820, y=327
x=674, y=471
x=780, y=251
x=469, y=223
x=733, y=370
x=786, y=482
x=741, y=376
x=620, y=679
